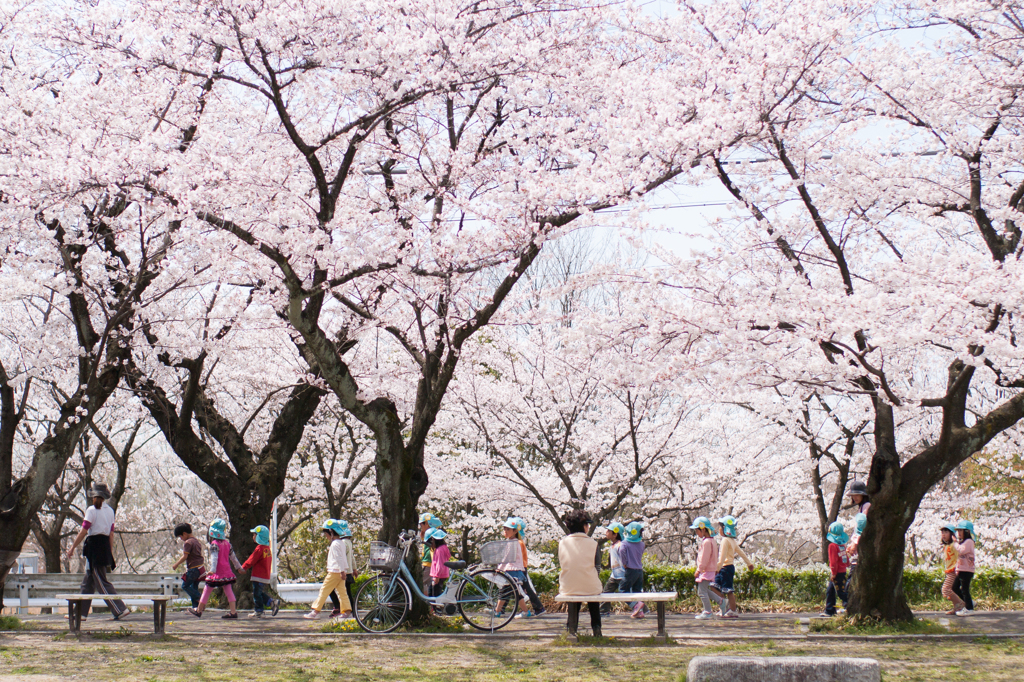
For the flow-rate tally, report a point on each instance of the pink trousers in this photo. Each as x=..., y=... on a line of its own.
x=207, y=591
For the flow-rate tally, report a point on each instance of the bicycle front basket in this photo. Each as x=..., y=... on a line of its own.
x=501, y=552
x=384, y=557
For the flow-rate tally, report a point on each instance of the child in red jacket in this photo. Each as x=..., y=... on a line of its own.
x=260, y=562
x=838, y=565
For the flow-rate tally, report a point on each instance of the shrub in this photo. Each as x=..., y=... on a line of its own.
x=806, y=585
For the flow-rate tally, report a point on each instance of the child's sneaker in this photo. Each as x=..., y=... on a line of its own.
x=826, y=615
x=730, y=614
x=335, y=613
x=638, y=610
x=345, y=616
x=195, y=612
x=256, y=614
x=703, y=615
x=312, y=615
x=230, y=616
x=276, y=606
x=965, y=612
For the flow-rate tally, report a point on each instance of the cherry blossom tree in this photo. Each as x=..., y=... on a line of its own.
x=392, y=170
x=81, y=255
x=881, y=256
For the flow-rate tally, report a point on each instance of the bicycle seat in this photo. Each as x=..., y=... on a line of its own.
x=456, y=565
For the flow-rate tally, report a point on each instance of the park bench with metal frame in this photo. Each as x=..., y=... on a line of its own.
x=574, y=601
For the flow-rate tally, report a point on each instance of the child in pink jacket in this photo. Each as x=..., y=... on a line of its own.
x=707, y=565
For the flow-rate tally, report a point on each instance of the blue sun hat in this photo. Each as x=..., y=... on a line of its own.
x=966, y=525
x=634, y=532
x=218, y=529
x=705, y=523
x=430, y=520
x=730, y=526
x=515, y=523
x=837, y=533
x=346, y=531
x=860, y=522
x=617, y=528
x=434, y=534
x=335, y=526
x=950, y=527
x=262, y=534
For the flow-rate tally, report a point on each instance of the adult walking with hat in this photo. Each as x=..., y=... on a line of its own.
x=97, y=528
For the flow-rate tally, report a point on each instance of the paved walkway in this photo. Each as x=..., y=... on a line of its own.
x=679, y=626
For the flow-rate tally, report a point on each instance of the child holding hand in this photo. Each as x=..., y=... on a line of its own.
x=707, y=560
x=965, y=566
x=337, y=570
x=838, y=564
x=727, y=553
x=223, y=560
x=259, y=563
x=949, y=561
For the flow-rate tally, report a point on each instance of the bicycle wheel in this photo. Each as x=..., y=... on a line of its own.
x=478, y=597
x=382, y=603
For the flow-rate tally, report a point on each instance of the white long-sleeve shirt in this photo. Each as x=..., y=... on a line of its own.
x=337, y=562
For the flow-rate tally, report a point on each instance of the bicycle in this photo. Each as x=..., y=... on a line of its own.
x=384, y=601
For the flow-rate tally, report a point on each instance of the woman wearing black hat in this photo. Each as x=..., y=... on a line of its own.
x=98, y=552
x=859, y=494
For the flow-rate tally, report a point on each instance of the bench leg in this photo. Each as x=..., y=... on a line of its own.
x=74, y=617
x=156, y=618
x=661, y=621
x=573, y=622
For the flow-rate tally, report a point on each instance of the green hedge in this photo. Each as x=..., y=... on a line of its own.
x=805, y=585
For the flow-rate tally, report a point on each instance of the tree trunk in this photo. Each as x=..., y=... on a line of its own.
x=401, y=481
x=878, y=589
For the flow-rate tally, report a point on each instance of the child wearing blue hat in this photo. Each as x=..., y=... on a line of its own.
x=440, y=554
x=727, y=553
x=337, y=570
x=707, y=561
x=613, y=533
x=223, y=560
x=949, y=561
x=965, y=566
x=260, y=563
x=631, y=554
x=838, y=565
x=426, y=522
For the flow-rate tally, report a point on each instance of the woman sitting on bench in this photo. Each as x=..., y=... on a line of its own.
x=578, y=576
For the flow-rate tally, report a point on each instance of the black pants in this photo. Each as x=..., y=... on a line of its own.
x=574, y=617
x=836, y=586
x=438, y=589
x=962, y=588
x=611, y=586
x=96, y=581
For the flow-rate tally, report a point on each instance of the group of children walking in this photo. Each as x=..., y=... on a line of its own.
x=341, y=571
x=715, y=571
x=224, y=564
x=716, y=566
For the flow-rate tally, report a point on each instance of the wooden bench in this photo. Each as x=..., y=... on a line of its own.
x=76, y=606
x=574, y=602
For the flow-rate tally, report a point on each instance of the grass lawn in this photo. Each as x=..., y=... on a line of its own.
x=38, y=659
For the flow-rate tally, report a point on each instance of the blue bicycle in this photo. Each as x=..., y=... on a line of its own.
x=384, y=601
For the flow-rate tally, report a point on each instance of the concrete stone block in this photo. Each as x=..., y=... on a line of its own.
x=782, y=669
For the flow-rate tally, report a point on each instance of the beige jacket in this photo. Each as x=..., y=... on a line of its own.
x=578, y=575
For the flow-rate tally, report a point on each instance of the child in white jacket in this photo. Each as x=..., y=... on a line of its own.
x=337, y=570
